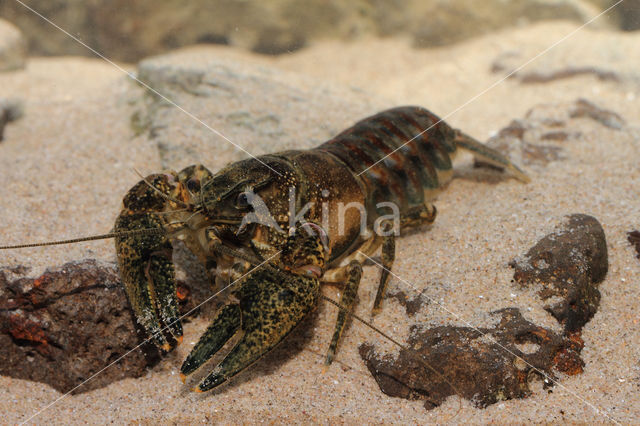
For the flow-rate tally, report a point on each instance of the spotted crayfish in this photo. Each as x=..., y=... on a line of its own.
x=242, y=224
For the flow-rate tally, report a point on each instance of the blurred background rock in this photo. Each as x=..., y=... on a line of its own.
x=13, y=47
x=128, y=31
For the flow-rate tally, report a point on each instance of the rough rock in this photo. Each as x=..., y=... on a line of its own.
x=71, y=322
x=66, y=325
x=128, y=31
x=477, y=364
x=487, y=365
x=566, y=266
x=13, y=47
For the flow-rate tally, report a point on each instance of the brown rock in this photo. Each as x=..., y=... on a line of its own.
x=487, y=365
x=566, y=265
x=68, y=324
x=484, y=365
x=72, y=322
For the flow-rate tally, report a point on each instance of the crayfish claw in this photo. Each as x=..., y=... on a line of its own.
x=272, y=303
x=145, y=262
x=223, y=327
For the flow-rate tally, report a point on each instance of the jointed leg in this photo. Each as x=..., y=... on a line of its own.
x=418, y=216
x=346, y=301
x=421, y=215
x=388, y=256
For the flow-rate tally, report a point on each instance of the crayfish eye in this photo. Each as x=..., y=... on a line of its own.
x=242, y=201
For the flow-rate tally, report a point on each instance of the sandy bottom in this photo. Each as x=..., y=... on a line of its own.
x=66, y=165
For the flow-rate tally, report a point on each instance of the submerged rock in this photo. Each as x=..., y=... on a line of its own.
x=566, y=266
x=72, y=322
x=66, y=325
x=259, y=109
x=128, y=31
x=478, y=364
x=487, y=365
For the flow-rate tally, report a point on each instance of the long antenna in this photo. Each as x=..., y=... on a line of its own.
x=92, y=238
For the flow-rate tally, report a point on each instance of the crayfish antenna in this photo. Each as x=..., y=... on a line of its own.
x=81, y=239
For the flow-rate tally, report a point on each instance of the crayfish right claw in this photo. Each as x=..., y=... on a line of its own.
x=223, y=327
x=145, y=263
x=272, y=303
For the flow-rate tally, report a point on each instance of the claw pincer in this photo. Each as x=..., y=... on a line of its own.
x=271, y=304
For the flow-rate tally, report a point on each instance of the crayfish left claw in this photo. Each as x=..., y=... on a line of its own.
x=274, y=298
x=272, y=303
